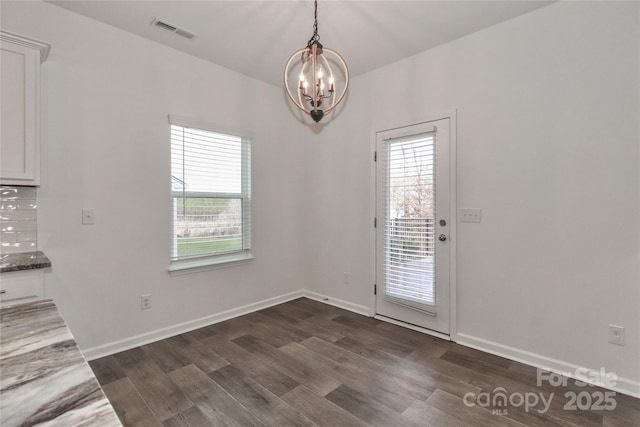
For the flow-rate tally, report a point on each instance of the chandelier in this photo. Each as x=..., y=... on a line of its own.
x=309, y=71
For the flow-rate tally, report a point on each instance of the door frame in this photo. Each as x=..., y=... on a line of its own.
x=453, y=159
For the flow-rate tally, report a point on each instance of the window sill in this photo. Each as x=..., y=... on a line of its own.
x=203, y=264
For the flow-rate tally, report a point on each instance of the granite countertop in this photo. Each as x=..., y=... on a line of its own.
x=43, y=376
x=23, y=261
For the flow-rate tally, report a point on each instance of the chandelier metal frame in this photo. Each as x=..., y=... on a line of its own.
x=312, y=90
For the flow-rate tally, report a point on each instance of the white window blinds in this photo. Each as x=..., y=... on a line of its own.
x=409, y=250
x=210, y=193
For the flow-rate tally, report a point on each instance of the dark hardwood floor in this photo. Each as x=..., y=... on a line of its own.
x=306, y=363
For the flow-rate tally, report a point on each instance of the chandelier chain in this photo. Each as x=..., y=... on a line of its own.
x=315, y=37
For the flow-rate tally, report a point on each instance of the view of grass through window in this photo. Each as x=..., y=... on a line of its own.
x=208, y=225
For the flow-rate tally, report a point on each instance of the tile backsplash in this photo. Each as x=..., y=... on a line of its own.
x=18, y=219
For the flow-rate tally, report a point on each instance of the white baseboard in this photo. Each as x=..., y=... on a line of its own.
x=622, y=385
x=356, y=308
x=160, y=334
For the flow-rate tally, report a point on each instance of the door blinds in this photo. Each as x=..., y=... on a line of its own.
x=409, y=199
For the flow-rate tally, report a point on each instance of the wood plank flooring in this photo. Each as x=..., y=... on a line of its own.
x=304, y=363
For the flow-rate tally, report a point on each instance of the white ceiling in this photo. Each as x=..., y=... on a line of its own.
x=256, y=38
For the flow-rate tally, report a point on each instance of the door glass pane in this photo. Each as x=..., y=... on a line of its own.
x=409, y=220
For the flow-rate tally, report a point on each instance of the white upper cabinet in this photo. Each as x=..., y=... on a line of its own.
x=20, y=108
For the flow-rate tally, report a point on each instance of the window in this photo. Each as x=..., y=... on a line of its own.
x=211, y=197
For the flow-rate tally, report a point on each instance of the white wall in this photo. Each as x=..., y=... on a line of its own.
x=106, y=97
x=548, y=138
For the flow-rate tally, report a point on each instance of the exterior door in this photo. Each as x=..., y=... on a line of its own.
x=412, y=224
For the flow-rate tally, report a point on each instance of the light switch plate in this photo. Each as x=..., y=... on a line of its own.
x=88, y=216
x=471, y=215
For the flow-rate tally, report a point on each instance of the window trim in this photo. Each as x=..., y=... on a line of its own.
x=216, y=261
x=213, y=262
x=211, y=127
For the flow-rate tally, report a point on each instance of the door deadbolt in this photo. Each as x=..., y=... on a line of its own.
x=442, y=237
x=443, y=222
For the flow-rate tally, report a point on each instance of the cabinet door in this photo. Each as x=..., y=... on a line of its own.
x=21, y=286
x=19, y=111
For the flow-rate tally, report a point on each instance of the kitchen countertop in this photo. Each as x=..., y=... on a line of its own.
x=23, y=261
x=43, y=376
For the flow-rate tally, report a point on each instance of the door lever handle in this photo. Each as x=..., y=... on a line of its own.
x=442, y=237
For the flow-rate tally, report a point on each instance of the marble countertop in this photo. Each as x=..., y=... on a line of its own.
x=23, y=261
x=43, y=376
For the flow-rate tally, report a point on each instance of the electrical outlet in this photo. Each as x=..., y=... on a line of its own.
x=471, y=215
x=88, y=216
x=346, y=278
x=145, y=301
x=616, y=334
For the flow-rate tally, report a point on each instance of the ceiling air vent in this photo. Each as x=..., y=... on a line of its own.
x=169, y=27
